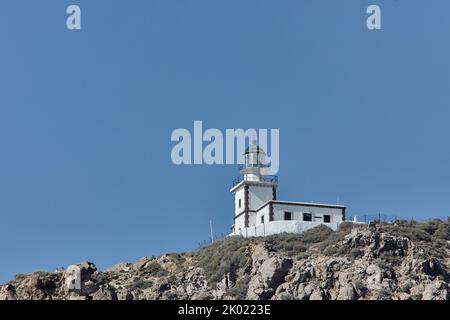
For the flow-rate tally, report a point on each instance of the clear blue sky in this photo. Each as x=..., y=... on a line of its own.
x=86, y=117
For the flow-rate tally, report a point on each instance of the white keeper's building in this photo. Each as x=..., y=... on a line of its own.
x=258, y=212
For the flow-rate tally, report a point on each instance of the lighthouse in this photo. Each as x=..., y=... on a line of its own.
x=252, y=188
x=257, y=212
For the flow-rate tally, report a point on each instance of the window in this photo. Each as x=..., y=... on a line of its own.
x=262, y=219
x=307, y=216
x=287, y=215
x=327, y=218
x=239, y=203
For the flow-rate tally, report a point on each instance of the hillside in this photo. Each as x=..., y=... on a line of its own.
x=401, y=260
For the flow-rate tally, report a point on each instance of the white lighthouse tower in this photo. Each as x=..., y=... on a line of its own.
x=252, y=188
x=257, y=212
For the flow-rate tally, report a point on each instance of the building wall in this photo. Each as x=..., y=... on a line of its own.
x=259, y=195
x=297, y=212
x=251, y=218
x=276, y=227
x=239, y=194
x=239, y=223
x=264, y=212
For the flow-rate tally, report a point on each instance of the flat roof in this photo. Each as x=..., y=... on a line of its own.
x=305, y=204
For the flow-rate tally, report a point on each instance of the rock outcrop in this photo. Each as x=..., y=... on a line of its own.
x=376, y=261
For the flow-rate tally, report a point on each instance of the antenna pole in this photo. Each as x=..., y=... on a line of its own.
x=211, y=230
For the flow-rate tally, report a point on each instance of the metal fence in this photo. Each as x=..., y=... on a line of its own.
x=363, y=218
x=265, y=178
x=390, y=218
x=210, y=241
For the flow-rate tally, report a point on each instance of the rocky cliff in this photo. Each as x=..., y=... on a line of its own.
x=400, y=260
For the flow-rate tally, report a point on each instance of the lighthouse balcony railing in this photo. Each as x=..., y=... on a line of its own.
x=259, y=165
x=272, y=179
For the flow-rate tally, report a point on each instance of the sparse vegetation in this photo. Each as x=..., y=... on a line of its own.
x=100, y=278
x=228, y=255
x=140, y=284
x=292, y=244
x=406, y=287
x=383, y=294
x=155, y=269
x=172, y=279
x=42, y=273
x=20, y=277
x=416, y=296
x=389, y=259
x=330, y=250
x=222, y=257
x=359, y=285
x=356, y=253
x=287, y=296
x=320, y=254
x=432, y=235
x=317, y=234
x=295, y=244
x=239, y=291
x=179, y=258
x=419, y=231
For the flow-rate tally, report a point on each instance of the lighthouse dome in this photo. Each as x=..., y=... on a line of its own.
x=254, y=148
x=254, y=157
